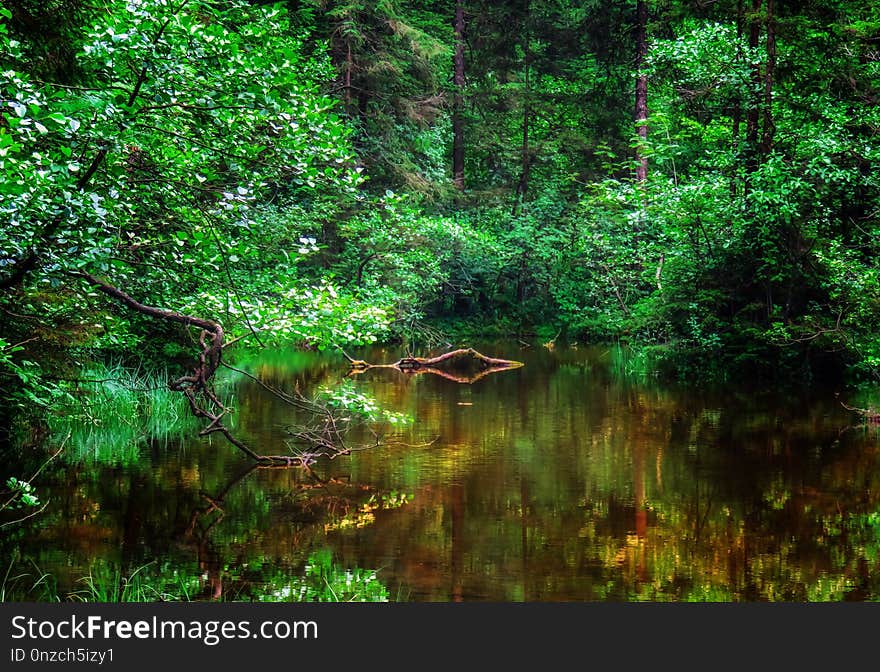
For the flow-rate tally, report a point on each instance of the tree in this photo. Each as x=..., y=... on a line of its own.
x=525, y=158
x=146, y=177
x=392, y=65
x=641, y=114
x=458, y=82
x=768, y=129
x=754, y=108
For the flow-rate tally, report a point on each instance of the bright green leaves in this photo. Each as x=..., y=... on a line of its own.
x=187, y=109
x=24, y=374
x=409, y=259
x=706, y=59
x=324, y=316
x=349, y=403
x=23, y=494
x=153, y=169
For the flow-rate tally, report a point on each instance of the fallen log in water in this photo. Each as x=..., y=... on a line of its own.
x=869, y=415
x=438, y=365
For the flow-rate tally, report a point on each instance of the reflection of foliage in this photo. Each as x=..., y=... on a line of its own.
x=365, y=514
x=347, y=399
x=734, y=489
x=325, y=581
x=744, y=498
x=22, y=495
x=335, y=413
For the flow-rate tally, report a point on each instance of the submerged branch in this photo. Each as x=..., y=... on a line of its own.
x=30, y=515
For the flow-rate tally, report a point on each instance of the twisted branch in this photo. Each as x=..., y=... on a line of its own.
x=197, y=386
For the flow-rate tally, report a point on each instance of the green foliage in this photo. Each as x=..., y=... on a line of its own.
x=23, y=494
x=284, y=170
x=287, y=173
x=155, y=169
x=206, y=125
x=731, y=256
x=325, y=581
x=107, y=584
x=26, y=583
x=390, y=59
x=322, y=580
x=25, y=376
x=346, y=399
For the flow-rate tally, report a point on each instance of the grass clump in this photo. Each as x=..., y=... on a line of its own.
x=115, y=410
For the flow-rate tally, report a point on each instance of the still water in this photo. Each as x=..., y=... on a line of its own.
x=562, y=480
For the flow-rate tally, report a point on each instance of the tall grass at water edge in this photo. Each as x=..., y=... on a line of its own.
x=114, y=410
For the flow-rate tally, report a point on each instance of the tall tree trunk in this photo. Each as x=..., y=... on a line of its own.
x=641, y=89
x=348, y=69
x=769, y=128
x=737, y=102
x=523, y=184
x=754, y=97
x=458, y=99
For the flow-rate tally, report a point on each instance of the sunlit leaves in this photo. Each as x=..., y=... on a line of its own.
x=170, y=119
x=704, y=58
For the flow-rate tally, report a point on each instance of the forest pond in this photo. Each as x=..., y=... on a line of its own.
x=565, y=479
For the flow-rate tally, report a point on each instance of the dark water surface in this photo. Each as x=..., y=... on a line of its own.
x=561, y=480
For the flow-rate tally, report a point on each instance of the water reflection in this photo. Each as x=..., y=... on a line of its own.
x=560, y=480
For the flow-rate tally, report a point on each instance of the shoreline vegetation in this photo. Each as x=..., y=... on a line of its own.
x=321, y=581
